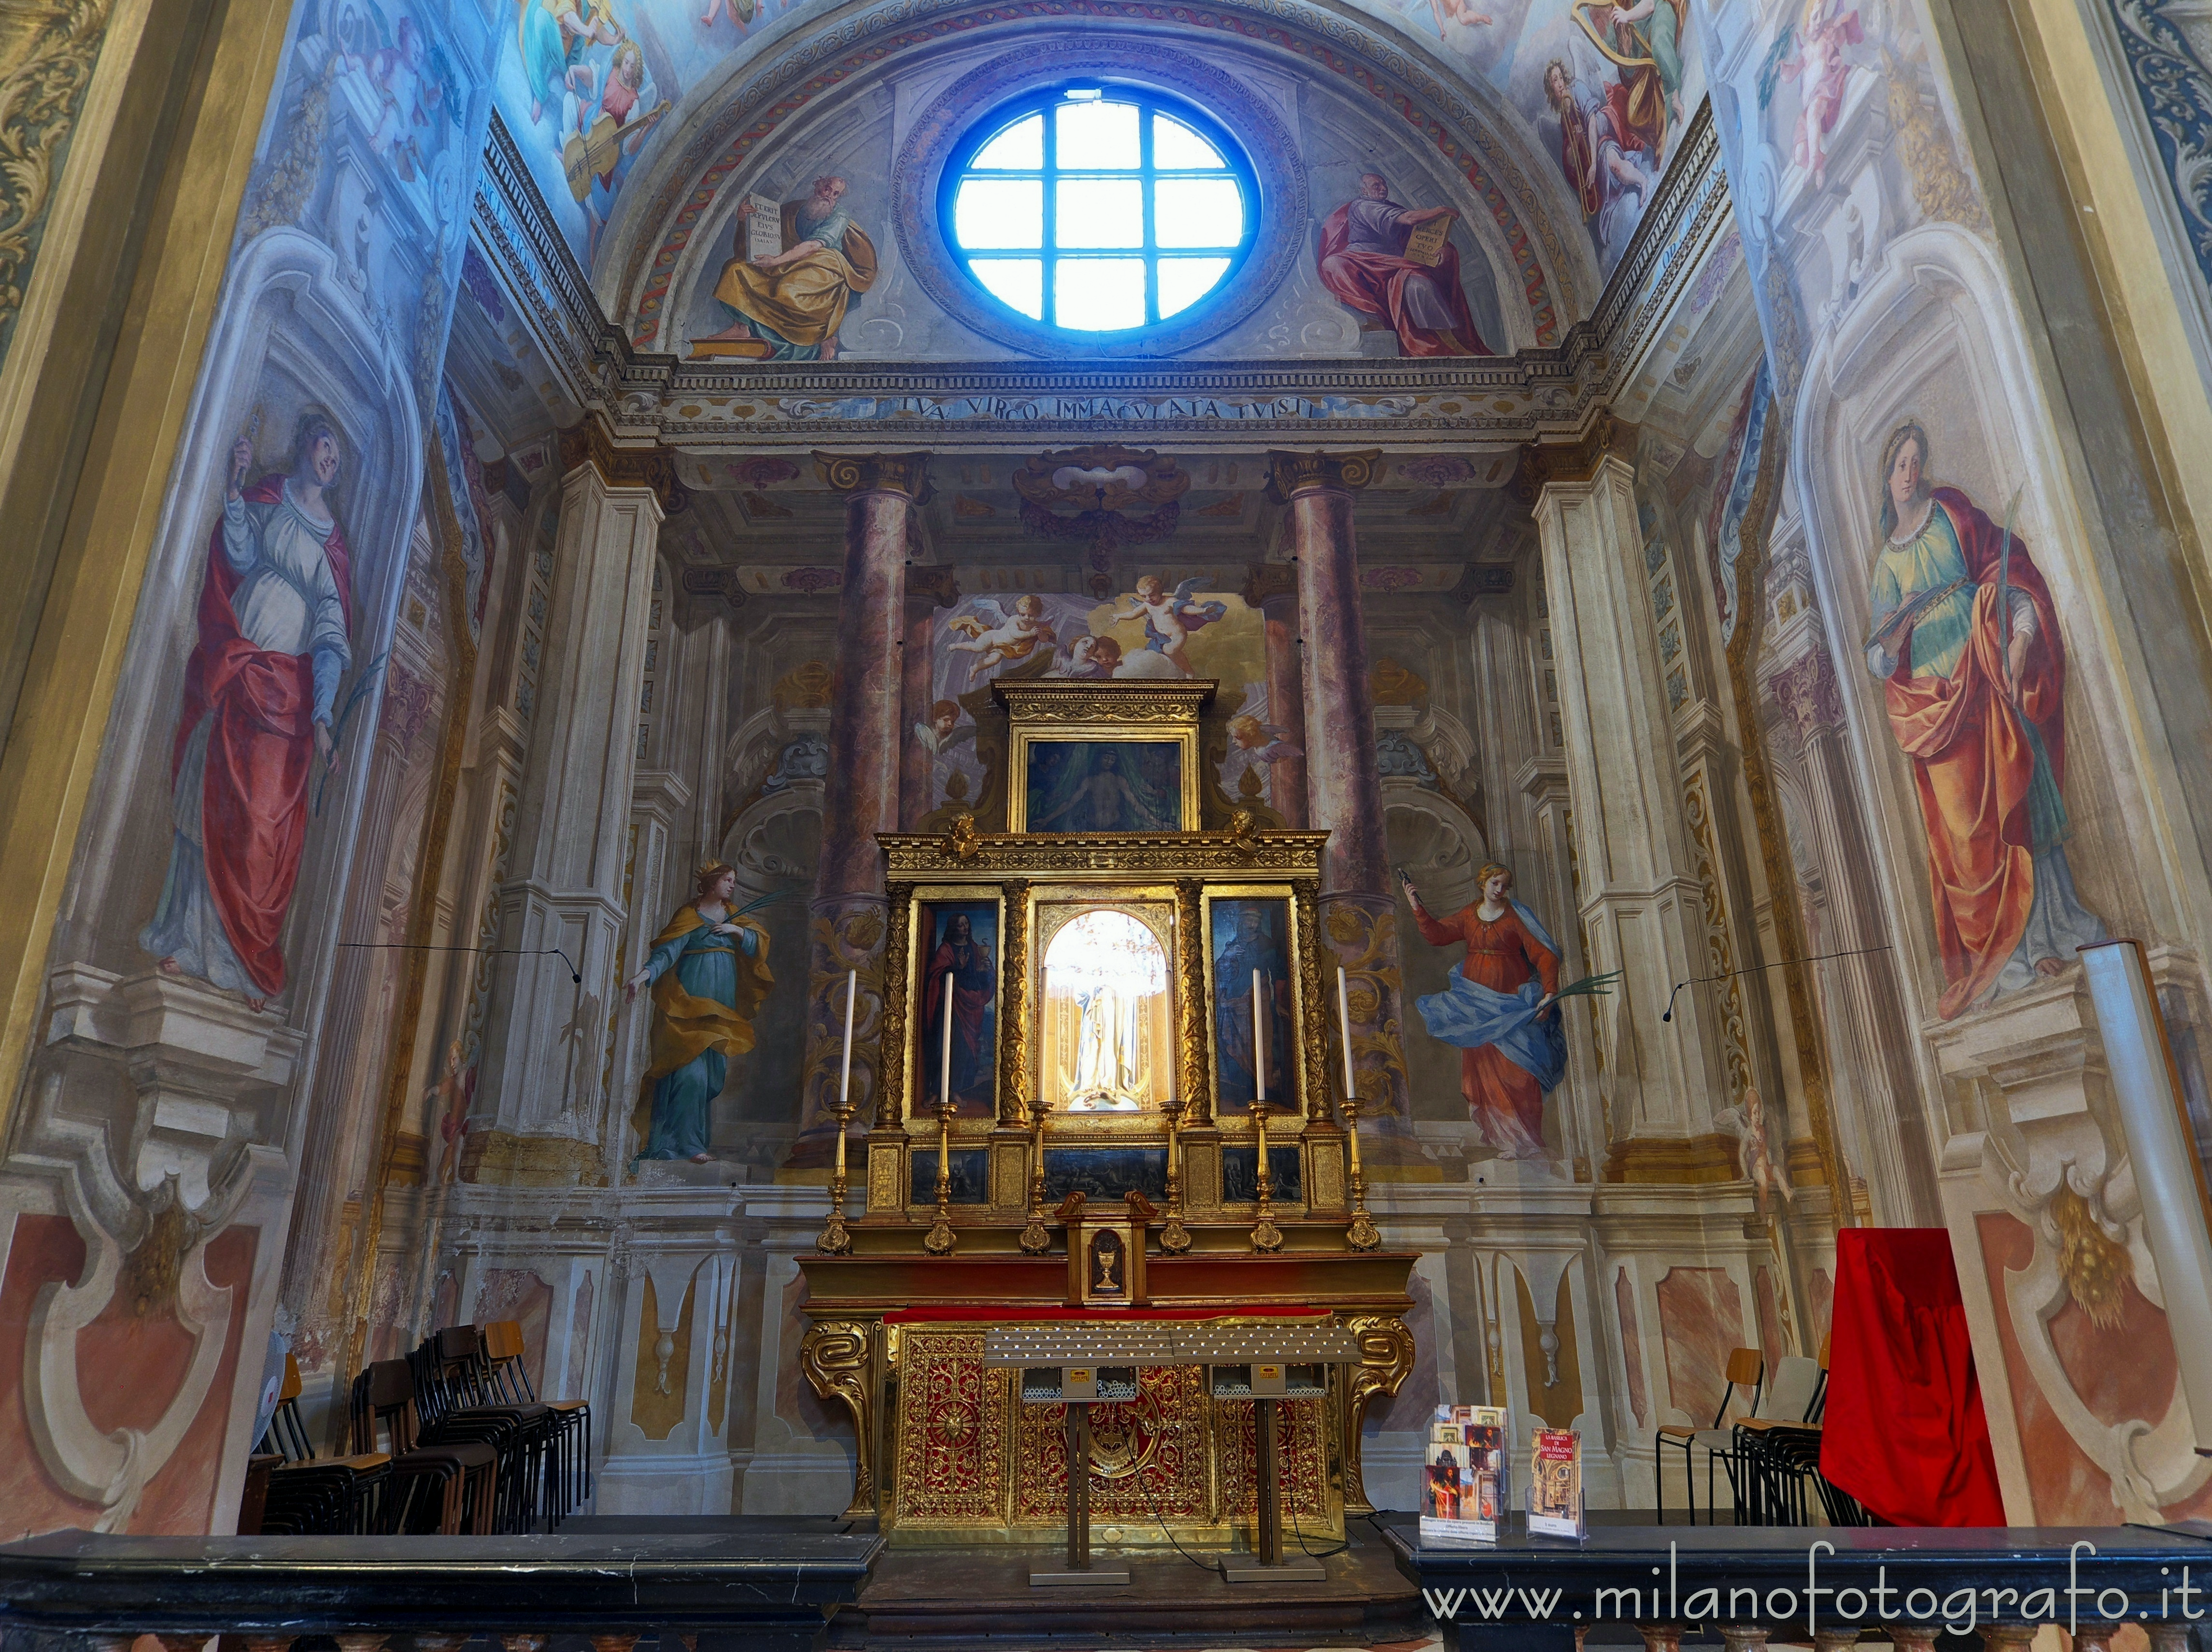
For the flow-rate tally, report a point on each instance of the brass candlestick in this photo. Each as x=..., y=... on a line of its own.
x=1174, y=1238
x=939, y=1240
x=1036, y=1238
x=1359, y=1233
x=1266, y=1235
x=836, y=1239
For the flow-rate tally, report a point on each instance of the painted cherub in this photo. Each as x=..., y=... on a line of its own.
x=1818, y=65
x=1747, y=1123
x=943, y=730
x=1088, y=656
x=1170, y=620
x=1006, y=637
x=1262, y=742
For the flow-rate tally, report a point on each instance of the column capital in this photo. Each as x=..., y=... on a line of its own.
x=1574, y=462
x=907, y=474
x=654, y=467
x=1291, y=474
x=1806, y=689
x=931, y=583
x=1268, y=581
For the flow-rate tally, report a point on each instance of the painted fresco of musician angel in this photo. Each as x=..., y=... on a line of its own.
x=1965, y=640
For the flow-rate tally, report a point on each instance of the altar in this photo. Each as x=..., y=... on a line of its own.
x=1112, y=1085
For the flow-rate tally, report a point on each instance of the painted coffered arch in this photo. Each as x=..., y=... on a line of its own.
x=1356, y=93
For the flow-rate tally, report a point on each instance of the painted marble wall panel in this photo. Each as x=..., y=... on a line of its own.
x=1700, y=1322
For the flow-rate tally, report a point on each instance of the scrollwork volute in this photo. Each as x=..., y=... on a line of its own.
x=834, y=1355
x=1386, y=1359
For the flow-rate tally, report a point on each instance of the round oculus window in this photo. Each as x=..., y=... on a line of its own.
x=1098, y=209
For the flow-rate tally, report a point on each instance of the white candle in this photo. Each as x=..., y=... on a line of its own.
x=1258, y=1046
x=1344, y=1020
x=845, y=1079
x=944, y=1073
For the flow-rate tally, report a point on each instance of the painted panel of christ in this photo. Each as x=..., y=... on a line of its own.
x=1965, y=640
x=1248, y=935
x=1105, y=785
x=961, y=963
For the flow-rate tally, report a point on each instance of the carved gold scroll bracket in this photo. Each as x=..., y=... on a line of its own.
x=1386, y=1359
x=834, y=1355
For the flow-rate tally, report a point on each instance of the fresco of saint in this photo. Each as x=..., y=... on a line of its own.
x=960, y=963
x=275, y=614
x=1600, y=151
x=792, y=302
x=1363, y=262
x=554, y=36
x=708, y=971
x=1965, y=641
x=1499, y=1011
x=1643, y=42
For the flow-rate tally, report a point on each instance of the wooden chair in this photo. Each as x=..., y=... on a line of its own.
x=1765, y=1487
x=569, y=1482
x=454, y=1401
x=1745, y=1369
x=446, y=1487
x=307, y=1493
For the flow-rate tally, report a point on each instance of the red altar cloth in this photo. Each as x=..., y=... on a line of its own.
x=964, y=1312
x=1904, y=1430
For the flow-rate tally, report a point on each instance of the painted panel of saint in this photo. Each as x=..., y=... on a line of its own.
x=1105, y=785
x=961, y=961
x=1250, y=935
x=1965, y=641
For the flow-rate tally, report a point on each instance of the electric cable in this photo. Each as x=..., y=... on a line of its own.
x=574, y=973
x=1757, y=969
x=1217, y=1569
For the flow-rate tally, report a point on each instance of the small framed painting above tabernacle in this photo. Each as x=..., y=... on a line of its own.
x=957, y=944
x=1103, y=785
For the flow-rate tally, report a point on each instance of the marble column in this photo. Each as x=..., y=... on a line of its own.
x=1344, y=788
x=1642, y=909
x=1272, y=588
x=927, y=590
x=547, y=1037
x=883, y=492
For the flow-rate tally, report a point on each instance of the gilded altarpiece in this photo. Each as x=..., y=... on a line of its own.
x=1137, y=989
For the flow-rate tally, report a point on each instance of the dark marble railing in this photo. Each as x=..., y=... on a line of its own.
x=770, y=1588
x=1825, y=1585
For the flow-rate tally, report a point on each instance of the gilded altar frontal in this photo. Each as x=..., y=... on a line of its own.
x=717, y=709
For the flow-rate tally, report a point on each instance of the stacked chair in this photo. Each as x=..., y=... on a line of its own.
x=307, y=1493
x=451, y=1439
x=1780, y=1457
x=1745, y=1369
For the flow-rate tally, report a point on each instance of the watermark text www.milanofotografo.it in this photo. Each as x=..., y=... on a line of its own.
x=1958, y=1611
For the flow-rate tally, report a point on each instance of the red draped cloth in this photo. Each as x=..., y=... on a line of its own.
x=1375, y=282
x=1904, y=1430
x=253, y=807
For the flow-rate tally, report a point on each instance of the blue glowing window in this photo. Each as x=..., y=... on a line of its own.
x=1099, y=209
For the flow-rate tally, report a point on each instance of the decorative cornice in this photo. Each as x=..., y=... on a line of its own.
x=1291, y=474
x=1072, y=700
x=588, y=443
x=1152, y=857
x=904, y=474
x=714, y=582
x=1545, y=463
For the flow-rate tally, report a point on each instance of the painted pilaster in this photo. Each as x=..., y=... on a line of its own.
x=1642, y=905
x=882, y=493
x=566, y=890
x=927, y=590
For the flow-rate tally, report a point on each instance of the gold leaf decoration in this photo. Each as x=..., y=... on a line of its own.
x=2096, y=1267
x=47, y=59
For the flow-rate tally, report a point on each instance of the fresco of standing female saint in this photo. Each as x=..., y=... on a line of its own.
x=1500, y=1010
x=260, y=692
x=708, y=971
x=1965, y=643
